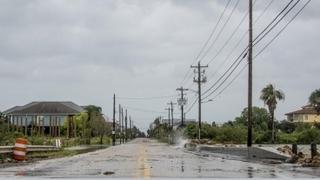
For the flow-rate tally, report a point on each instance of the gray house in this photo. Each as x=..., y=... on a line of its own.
x=45, y=117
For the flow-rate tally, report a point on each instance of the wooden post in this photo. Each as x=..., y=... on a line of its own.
x=38, y=126
x=9, y=118
x=43, y=126
x=294, y=149
x=16, y=120
x=20, y=126
x=13, y=123
x=54, y=126
x=31, y=131
x=50, y=125
x=313, y=150
x=75, y=126
x=68, y=126
x=26, y=126
x=59, y=123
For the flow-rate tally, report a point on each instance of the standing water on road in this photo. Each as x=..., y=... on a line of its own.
x=148, y=158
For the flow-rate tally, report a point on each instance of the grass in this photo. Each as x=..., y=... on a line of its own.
x=52, y=154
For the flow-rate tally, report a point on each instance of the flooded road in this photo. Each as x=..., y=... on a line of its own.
x=148, y=158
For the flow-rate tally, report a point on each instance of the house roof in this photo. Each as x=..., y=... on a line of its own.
x=46, y=107
x=308, y=109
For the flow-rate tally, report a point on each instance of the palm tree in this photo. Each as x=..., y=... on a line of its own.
x=269, y=95
x=314, y=100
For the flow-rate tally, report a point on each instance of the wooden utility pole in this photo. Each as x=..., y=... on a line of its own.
x=182, y=102
x=126, y=123
x=130, y=127
x=199, y=80
x=171, y=108
x=120, y=123
x=114, y=123
x=249, y=137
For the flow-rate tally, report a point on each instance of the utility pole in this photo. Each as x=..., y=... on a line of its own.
x=182, y=101
x=120, y=122
x=201, y=78
x=171, y=108
x=249, y=137
x=114, y=123
x=126, y=123
x=130, y=127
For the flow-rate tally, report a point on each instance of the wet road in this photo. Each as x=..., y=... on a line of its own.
x=148, y=158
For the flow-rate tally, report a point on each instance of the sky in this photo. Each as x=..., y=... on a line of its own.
x=86, y=50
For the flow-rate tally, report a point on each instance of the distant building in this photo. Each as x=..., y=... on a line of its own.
x=44, y=117
x=307, y=114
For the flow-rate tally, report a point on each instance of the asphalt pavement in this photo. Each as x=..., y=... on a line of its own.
x=148, y=158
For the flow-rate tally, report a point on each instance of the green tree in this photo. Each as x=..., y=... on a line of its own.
x=100, y=128
x=270, y=96
x=286, y=126
x=92, y=111
x=314, y=100
x=260, y=118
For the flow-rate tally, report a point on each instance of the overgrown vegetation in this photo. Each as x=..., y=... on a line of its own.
x=265, y=128
x=236, y=131
x=161, y=131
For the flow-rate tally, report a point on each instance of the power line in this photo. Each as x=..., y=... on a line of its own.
x=213, y=30
x=207, y=41
x=274, y=19
x=147, y=98
x=238, y=59
x=191, y=106
x=283, y=28
x=233, y=79
x=225, y=77
x=240, y=40
x=277, y=35
x=232, y=34
x=230, y=37
x=144, y=110
x=221, y=30
x=275, y=23
x=262, y=13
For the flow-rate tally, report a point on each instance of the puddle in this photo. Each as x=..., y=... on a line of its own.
x=62, y=173
x=107, y=173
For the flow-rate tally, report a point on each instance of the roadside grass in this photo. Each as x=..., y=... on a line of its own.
x=52, y=154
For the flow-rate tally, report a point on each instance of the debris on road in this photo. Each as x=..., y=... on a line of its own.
x=286, y=150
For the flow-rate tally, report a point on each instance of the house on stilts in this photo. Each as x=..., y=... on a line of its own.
x=44, y=118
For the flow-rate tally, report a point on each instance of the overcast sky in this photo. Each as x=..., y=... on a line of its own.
x=86, y=50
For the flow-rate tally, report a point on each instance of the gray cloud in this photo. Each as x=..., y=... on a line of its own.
x=84, y=51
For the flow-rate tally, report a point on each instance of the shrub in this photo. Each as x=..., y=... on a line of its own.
x=286, y=138
x=231, y=135
x=263, y=137
x=308, y=136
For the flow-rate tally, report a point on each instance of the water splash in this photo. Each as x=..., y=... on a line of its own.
x=180, y=140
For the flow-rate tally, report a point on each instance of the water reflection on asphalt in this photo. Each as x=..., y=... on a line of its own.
x=148, y=158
